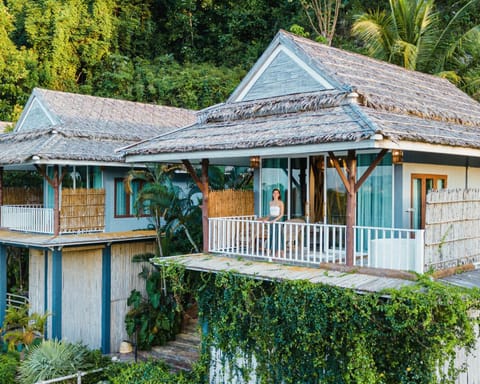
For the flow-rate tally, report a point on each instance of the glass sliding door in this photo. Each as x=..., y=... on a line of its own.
x=375, y=196
x=298, y=188
x=274, y=174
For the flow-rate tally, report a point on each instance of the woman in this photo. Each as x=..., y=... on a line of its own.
x=276, y=214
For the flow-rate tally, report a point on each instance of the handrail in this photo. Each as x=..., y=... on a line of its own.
x=77, y=375
x=314, y=243
x=16, y=301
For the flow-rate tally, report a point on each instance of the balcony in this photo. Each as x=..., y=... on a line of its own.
x=298, y=242
x=27, y=218
x=82, y=211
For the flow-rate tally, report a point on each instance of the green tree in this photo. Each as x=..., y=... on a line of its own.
x=14, y=69
x=410, y=34
x=322, y=16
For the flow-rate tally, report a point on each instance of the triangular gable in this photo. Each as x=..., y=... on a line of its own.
x=34, y=116
x=279, y=72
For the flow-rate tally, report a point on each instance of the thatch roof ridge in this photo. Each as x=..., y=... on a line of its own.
x=67, y=105
x=389, y=87
x=272, y=106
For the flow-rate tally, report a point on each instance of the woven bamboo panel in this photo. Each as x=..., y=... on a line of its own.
x=22, y=196
x=82, y=210
x=452, y=228
x=230, y=203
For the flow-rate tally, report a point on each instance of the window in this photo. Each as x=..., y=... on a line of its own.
x=125, y=202
x=421, y=185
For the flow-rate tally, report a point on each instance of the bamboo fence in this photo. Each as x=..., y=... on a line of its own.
x=230, y=203
x=22, y=196
x=452, y=228
x=82, y=210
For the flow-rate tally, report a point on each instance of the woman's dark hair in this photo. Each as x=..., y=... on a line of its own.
x=279, y=193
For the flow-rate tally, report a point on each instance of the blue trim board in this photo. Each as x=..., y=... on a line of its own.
x=57, y=294
x=3, y=283
x=45, y=288
x=106, y=297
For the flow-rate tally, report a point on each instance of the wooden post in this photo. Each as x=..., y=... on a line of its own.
x=56, y=201
x=351, y=206
x=352, y=186
x=205, y=205
x=1, y=192
x=55, y=183
x=202, y=184
x=1, y=186
x=3, y=283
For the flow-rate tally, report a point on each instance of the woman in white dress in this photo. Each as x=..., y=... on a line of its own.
x=276, y=215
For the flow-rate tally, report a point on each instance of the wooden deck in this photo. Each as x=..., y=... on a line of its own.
x=359, y=279
x=17, y=238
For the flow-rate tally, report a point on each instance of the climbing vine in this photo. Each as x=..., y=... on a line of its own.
x=301, y=332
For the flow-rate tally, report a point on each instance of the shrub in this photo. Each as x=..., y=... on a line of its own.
x=8, y=368
x=52, y=359
x=143, y=373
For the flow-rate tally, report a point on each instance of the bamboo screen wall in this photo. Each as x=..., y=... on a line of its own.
x=22, y=196
x=82, y=210
x=230, y=203
x=452, y=228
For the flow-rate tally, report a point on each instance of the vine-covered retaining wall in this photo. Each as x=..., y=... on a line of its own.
x=300, y=332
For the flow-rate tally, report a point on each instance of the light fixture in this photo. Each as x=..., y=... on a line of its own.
x=254, y=162
x=397, y=156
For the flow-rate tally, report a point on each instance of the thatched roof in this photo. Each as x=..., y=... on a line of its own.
x=84, y=128
x=370, y=97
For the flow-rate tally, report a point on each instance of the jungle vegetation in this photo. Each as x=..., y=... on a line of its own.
x=192, y=53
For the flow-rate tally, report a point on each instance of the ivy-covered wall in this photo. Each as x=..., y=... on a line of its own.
x=300, y=332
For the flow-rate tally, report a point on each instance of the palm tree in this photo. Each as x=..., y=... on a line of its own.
x=171, y=209
x=409, y=35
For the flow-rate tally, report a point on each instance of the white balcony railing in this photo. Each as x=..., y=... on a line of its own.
x=28, y=218
x=314, y=243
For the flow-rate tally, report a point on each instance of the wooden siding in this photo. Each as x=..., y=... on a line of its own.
x=36, y=278
x=82, y=210
x=283, y=76
x=22, y=196
x=125, y=279
x=452, y=228
x=230, y=203
x=81, y=296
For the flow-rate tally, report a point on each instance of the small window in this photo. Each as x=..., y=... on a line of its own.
x=125, y=202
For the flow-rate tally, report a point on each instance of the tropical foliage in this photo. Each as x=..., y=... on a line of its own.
x=52, y=359
x=303, y=332
x=193, y=53
x=411, y=33
x=21, y=329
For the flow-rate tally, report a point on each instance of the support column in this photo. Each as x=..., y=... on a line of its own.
x=1, y=193
x=202, y=184
x=106, y=297
x=351, y=206
x=55, y=183
x=56, y=201
x=352, y=186
x=205, y=191
x=45, y=287
x=57, y=294
x=3, y=283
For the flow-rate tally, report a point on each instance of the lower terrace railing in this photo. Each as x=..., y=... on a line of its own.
x=313, y=243
x=16, y=301
x=28, y=218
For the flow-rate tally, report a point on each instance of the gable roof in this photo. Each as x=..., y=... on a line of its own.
x=360, y=103
x=62, y=126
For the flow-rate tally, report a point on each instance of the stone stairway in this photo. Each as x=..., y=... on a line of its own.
x=180, y=353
